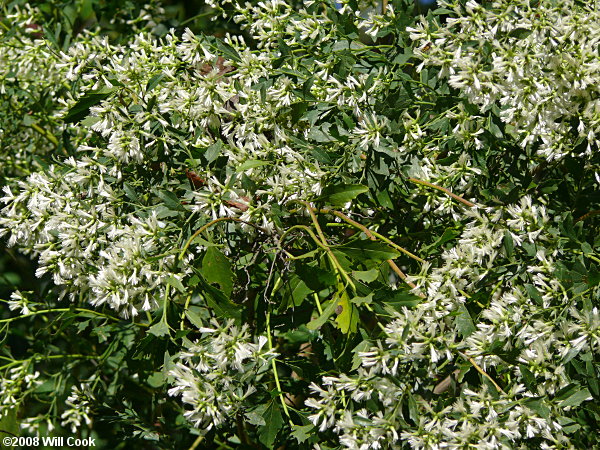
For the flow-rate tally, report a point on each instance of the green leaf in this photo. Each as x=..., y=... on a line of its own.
x=528, y=377
x=159, y=329
x=153, y=82
x=464, y=322
x=320, y=321
x=226, y=50
x=47, y=386
x=194, y=318
x=509, y=244
x=340, y=194
x=216, y=268
x=273, y=423
x=170, y=199
x=365, y=249
x=320, y=134
x=358, y=300
x=347, y=314
x=537, y=405
x=251, y=164
x=413, y=410
x=592, y=378
x=213, y=151
x=365, y=276
x=82, y=108
x=295, y=292
x=302, y=432
x=255, y=417
x=577, y=398
x=534, y=294
x=397, y=299
x=316, y=278
x=174, y=282
x=448, y=235
x=156, y=380
x=130, y=192
x=9, y=426
x=357, y=359
x=219, y=303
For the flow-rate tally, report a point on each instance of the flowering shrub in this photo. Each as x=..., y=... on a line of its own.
x=341, y=224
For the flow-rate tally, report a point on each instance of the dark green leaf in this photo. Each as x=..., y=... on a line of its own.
x=82, y=108
x=316, y=278
x=216, y=268
x=320, y=321
x=576, y=398
x=538, y=405
x=9, y=426
x=295, y=292
x=273, y=423
x=219, y=303
x=363, y=250
x=397, y=299
x=341, y=194
x=509, y=245
x=153, y=82
x=464, y=322
x=171, y=200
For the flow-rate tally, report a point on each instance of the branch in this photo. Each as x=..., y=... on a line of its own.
x=444, y=190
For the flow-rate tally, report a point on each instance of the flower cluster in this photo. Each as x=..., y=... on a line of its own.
x=422, y=341
x=537, y=65
x=15, y=384
x=69, y=217
x=216, y=375
x=379, y=226
x=79, y=408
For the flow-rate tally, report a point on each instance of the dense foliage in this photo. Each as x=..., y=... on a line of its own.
x=316, y=224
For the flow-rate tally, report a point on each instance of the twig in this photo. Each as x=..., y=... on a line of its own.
x=587, y=215
x=210, y=224
x=483, y=372
x=330, y=253
x=371, y=234
x=446, y=191
x=196, y=442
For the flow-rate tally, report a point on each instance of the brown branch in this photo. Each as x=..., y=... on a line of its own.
x=444, y=190
x=370, y=235
x=587, y=215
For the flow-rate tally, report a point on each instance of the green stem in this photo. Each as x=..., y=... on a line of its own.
x=334, y=261
x=273, y=364
x=45, y=358
x=374, y=233
x=45, y=133
x=185, y=308
x=59, y=310
x=318, y=303
x=196, y=443
x=210, y=224
x=304, y=228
